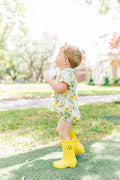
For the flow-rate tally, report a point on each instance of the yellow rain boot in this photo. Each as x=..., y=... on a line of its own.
x=79, y=148
x=68, y=159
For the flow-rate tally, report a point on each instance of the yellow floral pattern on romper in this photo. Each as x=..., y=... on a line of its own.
x=66, y=109
x=66, y=103
x=72, y=97
x=75, y=119
x=56, y=104
x=65, y=93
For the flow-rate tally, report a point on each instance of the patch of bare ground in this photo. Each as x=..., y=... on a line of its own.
x=7, y=149
x=115, y=133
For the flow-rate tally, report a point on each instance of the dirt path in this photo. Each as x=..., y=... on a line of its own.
x=37, y=102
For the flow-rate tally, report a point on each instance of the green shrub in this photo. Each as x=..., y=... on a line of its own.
x=91, y=82
x=116, y=80
x=106, y=82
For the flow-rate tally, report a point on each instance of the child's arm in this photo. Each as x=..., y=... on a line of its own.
x=59, y=88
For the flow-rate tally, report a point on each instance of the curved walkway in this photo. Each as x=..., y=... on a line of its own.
x=28, y=103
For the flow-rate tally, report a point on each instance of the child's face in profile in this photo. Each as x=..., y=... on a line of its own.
x=60, y=59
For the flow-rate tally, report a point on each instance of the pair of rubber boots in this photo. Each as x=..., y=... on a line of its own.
x=70, y=148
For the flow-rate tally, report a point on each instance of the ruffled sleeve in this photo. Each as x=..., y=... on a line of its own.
x=67, y=77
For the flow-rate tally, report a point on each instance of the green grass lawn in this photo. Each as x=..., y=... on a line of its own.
x=24, y=130
x=27, y=128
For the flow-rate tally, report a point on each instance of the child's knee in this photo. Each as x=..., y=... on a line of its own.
x=63, y=136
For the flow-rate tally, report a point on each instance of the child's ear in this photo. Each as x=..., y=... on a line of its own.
x=66, y=61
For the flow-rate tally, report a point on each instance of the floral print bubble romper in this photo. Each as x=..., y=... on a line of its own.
x=66, y=104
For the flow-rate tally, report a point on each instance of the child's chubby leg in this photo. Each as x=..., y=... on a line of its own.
x=68, y=159
x=64, y=128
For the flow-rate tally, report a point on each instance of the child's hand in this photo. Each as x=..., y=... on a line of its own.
x=46, y=79
x=53, y=78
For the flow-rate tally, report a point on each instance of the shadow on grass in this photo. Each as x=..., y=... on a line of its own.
x=101, y=161
x=115, y=119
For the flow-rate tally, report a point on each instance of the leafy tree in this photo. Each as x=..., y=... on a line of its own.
x=2, y=64
x=8, y=65
x=12, y=21
x=33, y=54
x=12, y=17
x=11, y=69
x=104, y=5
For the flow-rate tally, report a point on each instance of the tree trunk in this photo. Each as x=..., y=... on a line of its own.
x=40, y=74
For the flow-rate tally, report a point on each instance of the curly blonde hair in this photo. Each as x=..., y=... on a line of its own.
x=73, y=54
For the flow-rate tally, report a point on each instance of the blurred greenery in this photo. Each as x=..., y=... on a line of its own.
x=104, y=6
x=116, y=80
x=12, y=23
x=21, y=57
